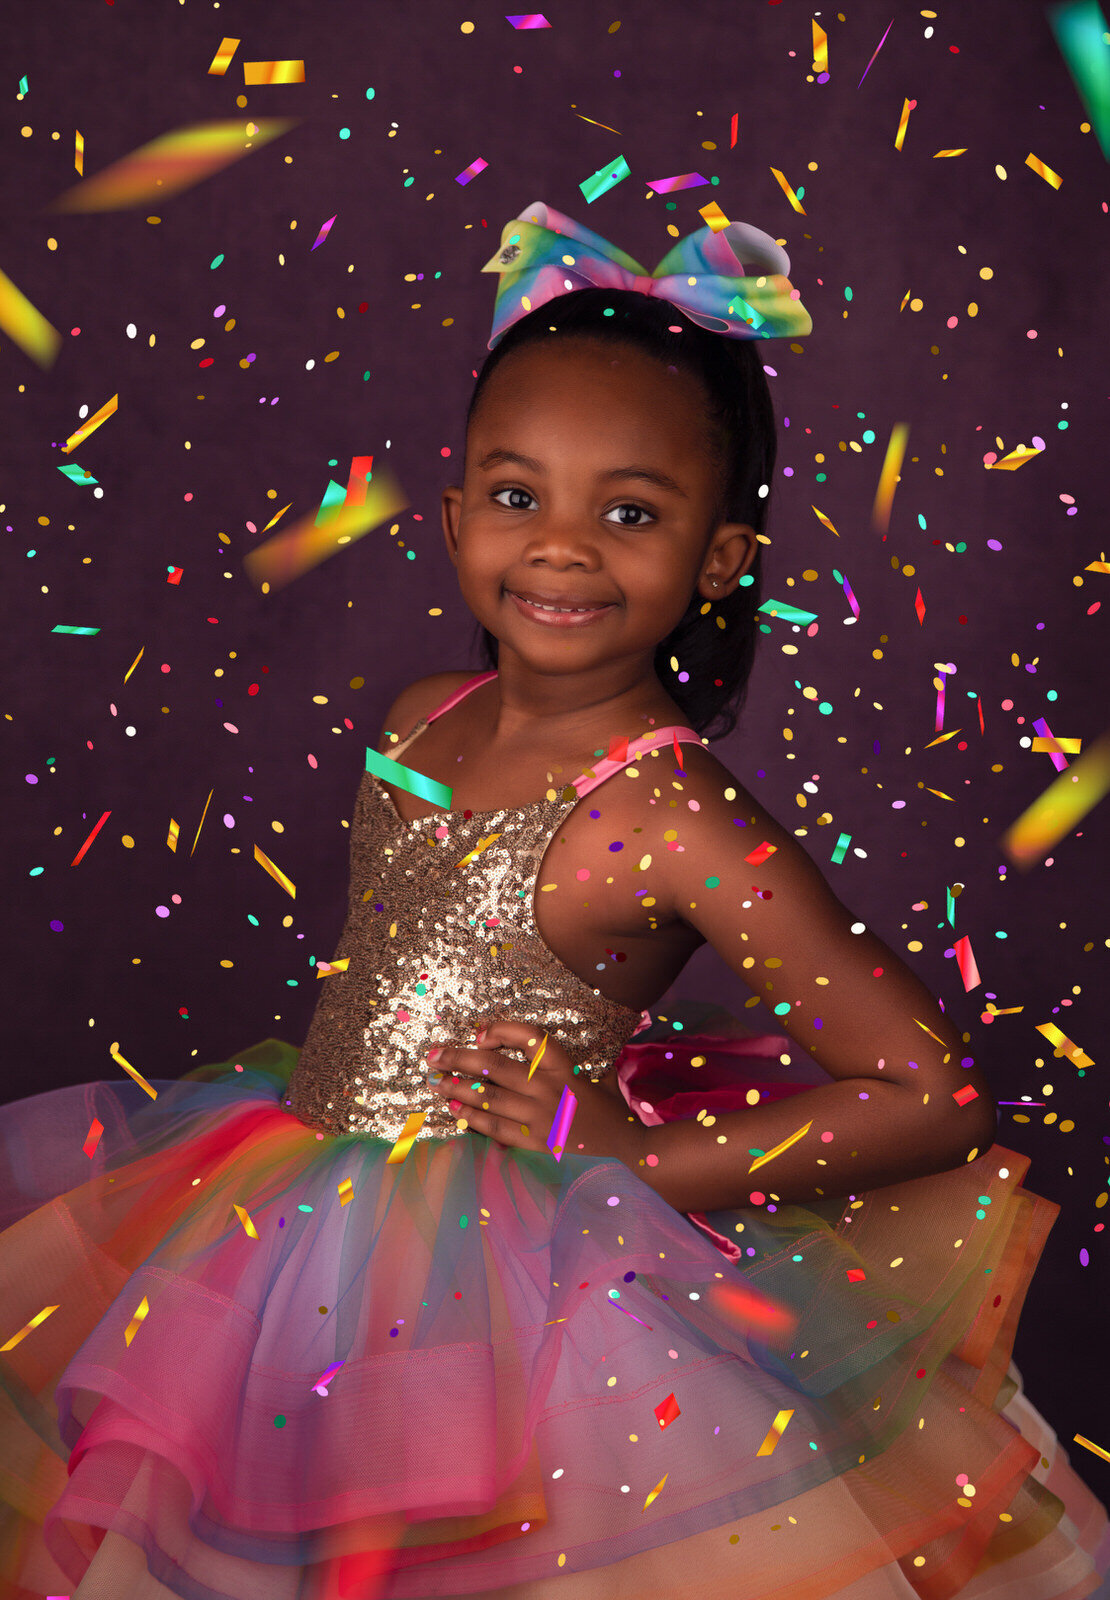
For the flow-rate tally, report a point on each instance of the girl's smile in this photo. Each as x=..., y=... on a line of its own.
x=559, y=612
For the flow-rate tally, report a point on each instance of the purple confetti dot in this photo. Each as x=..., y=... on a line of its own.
x=864, y=1096
x=616, y=845
x=56, y=926
x=31, y=778
x=595, y=815
x=1084, y=1258
x=162, y=911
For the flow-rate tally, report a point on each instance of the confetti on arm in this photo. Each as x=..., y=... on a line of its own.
x=538, y=1057
x=784, y=1144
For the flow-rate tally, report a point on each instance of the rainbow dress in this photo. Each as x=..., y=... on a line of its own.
x=246, y=1355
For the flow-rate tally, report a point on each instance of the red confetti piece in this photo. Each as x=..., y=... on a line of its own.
x=90, y=839
x=969, y=972
x=962, y=1096
x=667, y=1410
x=92, y=1139
x=856, y=1274
x=618, y=749
x=677, y=752
x=760, y=853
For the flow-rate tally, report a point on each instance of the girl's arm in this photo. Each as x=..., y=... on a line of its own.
x=901, y=1105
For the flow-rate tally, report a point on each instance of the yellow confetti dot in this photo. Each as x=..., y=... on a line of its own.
x=468, y=27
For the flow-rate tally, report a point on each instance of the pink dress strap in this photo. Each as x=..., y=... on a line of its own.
x=624, y=751
x=460, y=694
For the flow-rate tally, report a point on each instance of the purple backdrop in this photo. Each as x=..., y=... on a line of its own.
x=952, y=290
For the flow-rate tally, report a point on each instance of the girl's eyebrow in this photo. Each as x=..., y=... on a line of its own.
x=648, y=474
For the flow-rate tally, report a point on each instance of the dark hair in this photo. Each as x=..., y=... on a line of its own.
x=741, y=439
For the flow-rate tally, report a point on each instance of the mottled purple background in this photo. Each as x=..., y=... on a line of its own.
x=193, y=453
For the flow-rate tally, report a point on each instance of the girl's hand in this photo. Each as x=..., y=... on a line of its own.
x=496, y=1096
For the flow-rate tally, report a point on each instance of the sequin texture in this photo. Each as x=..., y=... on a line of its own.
x=431, y=947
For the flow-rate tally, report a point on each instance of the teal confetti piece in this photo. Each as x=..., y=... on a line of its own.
x=425, y=788
x=604, y=179
x=77, y=474
x=23, y=85
x=951, y=908
x=841, y=848
x=1080, y=30
x=334, y=495
x=61, y=627
x=788, y=613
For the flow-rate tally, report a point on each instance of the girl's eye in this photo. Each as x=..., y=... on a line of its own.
x=627, y=505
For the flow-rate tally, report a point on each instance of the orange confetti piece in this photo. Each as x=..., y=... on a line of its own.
x=788, y=191
x=1017, y=457
x=175, y=161
x=1079, y=1439
x=1043, y=171
x=79, y=153
x=821, y=517
x=248, y=1226
x=761, y=1161
x=134, y=664
x=346, y=1192
x=173, y=835
x=132, y=1072
x=888, y=478
x=1063, y=1045
x=204, y=813
x=299, y=548
x=325, y=969
x=907, y=107
x=774, y=1433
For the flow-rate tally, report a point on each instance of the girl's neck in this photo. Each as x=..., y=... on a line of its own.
x=561, y=709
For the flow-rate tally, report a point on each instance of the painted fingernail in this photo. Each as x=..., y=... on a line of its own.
x=434, y=1055
x=456, y=1106
x=435, y=1079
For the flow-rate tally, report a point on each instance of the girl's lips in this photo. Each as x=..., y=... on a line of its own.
x=558, y=619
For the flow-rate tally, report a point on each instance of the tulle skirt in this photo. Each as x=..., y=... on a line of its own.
x=245, y=1361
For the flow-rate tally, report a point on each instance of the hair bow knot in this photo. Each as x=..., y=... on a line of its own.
x=544, y=254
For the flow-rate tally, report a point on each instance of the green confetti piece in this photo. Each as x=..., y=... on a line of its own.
x=23, y=85
x=425, y=788
x=77, y=474
x=841, y=848
x=604, y=179
x=788, y=613
x=61, y=627
x=334, y=495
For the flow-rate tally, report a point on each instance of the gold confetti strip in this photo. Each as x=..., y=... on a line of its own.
x=655, y=1492
x=26, y=325
x=538, y=1057
x=1097, y=566
x=222, y=59
x=113, y=1051
x=275, y=872
x=907, y=107
x=1017, y=457
x=940, y=739
x=483, y=844
x=775, y=1433
x=1063, y=1045
x=761, y=1161
x=940, y=153
x=1078, y=1437
x=821, y=517
x=277, y=516
x=788, y=192
x=1043, y=171
x=940, y=794
x=325, y=969
x=141, y=1312
x=91, y=424
x=134, y=664
x=23, y=1332
x=173, y=835
x=79, y=153
x=929, y=1031
x=1058, y=745
x=248, y=1226
x=713, y=217
x=273, y=72
x=204, y=813
x=346, y=1192
x=413, y=1125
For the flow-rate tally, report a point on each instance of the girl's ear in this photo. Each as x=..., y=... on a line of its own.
x=452, y=510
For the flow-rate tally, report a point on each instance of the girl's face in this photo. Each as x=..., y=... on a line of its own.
x=576, y=521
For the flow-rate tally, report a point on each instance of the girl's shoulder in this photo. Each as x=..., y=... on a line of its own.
x=419, y=698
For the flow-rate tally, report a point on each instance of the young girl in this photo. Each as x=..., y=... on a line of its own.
x=496, y=1286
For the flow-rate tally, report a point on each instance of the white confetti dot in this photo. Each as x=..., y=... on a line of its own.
x=859, y=927
x=131, y=330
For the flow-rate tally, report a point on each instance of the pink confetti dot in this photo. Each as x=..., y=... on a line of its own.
x=826, y=1138
x=613, y=1200
x=757, y=1197
x=31, y=778
x=652, y=1161
x=582, y=874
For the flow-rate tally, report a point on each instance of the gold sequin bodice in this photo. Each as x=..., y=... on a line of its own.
x=431, y=946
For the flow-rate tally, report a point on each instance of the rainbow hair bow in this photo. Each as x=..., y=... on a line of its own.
x=544, y=254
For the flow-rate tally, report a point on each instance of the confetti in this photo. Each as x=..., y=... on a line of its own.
x=788, y=191
x=413, y=1124
x=89, y=840
x=969, y=972
x=666, y=1411
x=222, y=59
x=75, y=473
x=324, y=231
x=35, y=1322
x=290, y=554
x=326, y=1377
x=538, y=1057
x=875, y=52
x=325, y=969
x=888, y=477
x=687, y=180
x=92, y=1138
x=655, y=1492
x=26, y=326
x=529, y=19
x=471, y=171
x=775, y=1433
x=560, y=1124
x=604, y=179
x=90, y=425
x=761, y=1161
x=753, y=1312
x=903, y=122
x=788, y=613
x=169, y=164
x=964, y=1096
x=142, y=1310
x=132, y=1072
x=248, y=1226
x=483, y=844
x=1063, y=1045
x=275, y=872
x=761, y=854
x=1078, y=1438
x=1043, y=171
x=79, y=153
x=1080, y=30
x=259, y=72
x=1064, y=803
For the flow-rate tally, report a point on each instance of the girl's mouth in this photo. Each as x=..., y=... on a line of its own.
x=559, y=616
